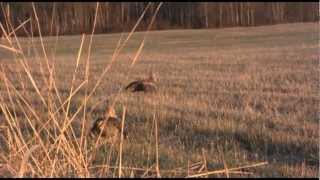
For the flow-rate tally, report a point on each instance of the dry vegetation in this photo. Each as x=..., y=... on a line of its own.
x=227, y=98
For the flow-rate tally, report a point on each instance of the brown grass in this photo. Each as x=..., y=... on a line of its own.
x=235, y=102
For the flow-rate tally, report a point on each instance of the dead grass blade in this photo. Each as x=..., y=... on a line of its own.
x=138, y=53
x=87, y=72
x=73, y=80
x=10, y=49
x=146, y=33
x=23, y=63
x=24, y=161
x=148, y=170
x=21, y=25
x=52, y=17
x=6, y=14
x=157, y=146
x=121, y=141
x=231, y=169
x=40, y=36
x=205, y=166
x=226, y=168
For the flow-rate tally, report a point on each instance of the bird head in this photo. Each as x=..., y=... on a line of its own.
x=110, y=112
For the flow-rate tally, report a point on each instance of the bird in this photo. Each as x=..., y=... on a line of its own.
x=144, y=85
x=108, y=127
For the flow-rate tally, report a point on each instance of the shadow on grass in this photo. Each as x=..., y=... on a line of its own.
x=293, y=153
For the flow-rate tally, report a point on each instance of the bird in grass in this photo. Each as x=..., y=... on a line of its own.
x=144, y=85
x=108, y=127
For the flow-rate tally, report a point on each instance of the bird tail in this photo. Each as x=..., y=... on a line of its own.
x=129, y=86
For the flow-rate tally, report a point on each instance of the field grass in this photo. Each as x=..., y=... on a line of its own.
x=239, y=95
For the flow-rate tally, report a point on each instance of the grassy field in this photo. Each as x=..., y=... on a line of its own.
x=235, y=95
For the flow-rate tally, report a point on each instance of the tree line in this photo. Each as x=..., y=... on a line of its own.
x=75, y=17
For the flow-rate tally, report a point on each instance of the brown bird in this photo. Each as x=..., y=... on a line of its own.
x=144, y=85
x=109, y=126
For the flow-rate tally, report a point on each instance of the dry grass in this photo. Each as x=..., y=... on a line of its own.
x=229, y=100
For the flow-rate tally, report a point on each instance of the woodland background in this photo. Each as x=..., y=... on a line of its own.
x=75, y=18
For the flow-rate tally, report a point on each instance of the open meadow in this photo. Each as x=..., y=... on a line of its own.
x=226, y=98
